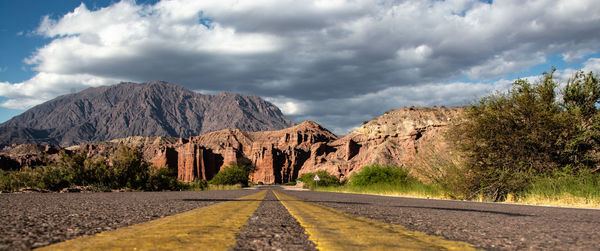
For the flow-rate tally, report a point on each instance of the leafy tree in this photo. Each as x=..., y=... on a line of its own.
x=129, y=169
x=246, y=164
x=581, y=96
x=231, y=175
x=509, y=138
x=161, y=179
x=53, y=178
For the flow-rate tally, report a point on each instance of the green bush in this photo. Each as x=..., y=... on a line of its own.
x=85, y=171
x=53, y=178
x=100, y=187
x=326, y=179
x=161, y=179
x=508, y=139
x=378, y=174
x=231, y=175
x=129, y=170
x=196, y=185
x=14, y=180
x=246, y=164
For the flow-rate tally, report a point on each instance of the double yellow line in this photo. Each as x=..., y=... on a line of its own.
x=333, y=229
x=212, y=227
x=215, y=227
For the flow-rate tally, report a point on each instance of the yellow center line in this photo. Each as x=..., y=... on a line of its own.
x=211, y=227
x=333, y=229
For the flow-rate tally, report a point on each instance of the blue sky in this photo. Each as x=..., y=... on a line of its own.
x=18, y=39
x=335, y=62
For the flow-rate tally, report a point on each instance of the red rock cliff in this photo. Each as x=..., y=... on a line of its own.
x=281, y=156
x=278, y=155
x=391, y=139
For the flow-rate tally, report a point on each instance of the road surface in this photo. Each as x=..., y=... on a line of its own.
x=274, y=219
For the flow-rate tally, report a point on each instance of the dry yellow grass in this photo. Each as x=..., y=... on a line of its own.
x=563, y=200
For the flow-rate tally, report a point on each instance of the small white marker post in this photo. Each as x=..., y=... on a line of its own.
x=316, y=179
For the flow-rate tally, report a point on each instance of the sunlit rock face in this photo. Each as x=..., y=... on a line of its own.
x=281, y=156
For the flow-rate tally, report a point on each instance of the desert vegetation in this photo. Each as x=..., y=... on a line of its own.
x=538, y=143
x=531, y=140
x=326, y=180
x=128, y=171
x=385, y=180
x=125, y=169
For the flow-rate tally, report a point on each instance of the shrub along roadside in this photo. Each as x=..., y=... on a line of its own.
x=386, y=180
x=510, y=139
x=231, y=175
x=377, y=174
x=326, y=179
x=237, y=173
x=557, y=189
x=129, y=171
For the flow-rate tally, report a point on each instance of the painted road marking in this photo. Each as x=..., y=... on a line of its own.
x=211, y=227
x=332, y=229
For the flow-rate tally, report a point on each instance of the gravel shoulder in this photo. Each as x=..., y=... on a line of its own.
x=487, y=225
x=40, y=219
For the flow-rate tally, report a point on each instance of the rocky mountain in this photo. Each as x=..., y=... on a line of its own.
x=278, y=155
x=130, y=109
x=396, y=138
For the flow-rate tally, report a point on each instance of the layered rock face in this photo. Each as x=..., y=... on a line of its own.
x=281, y=156
x=27, y=155
x=278, y=155
x=394, y=138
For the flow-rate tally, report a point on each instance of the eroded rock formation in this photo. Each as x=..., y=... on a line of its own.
x=391, y=139
x=278, y=155
x=26, y=156
x=281, y=156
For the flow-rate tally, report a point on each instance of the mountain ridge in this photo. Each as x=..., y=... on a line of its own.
x=401, y=137
x=131, y=109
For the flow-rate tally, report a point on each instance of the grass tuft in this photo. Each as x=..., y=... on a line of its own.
x=563, y=190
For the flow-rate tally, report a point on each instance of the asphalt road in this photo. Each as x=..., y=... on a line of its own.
x=491, y=226
x=39, y=219
x=35, y=220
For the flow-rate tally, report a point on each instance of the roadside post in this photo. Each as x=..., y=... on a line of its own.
x=316, y=179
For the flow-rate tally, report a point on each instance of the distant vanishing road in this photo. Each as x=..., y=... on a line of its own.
x=270, y=218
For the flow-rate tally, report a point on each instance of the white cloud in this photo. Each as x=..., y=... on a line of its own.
x=341, y=115
x=593, y=65
x=306, y=55
x=44, y=86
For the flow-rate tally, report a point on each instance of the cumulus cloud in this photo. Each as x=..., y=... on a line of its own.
x=592, y=64
x=44, y=86
x=337, y=62
x=342, y=115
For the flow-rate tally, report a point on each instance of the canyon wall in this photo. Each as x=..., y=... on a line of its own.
x=281, y=156
x=394, y=139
